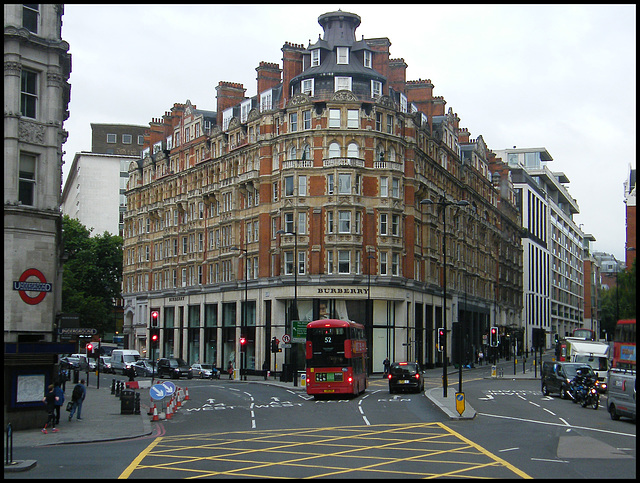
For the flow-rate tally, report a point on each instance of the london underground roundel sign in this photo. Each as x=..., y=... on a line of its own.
x=23, y=286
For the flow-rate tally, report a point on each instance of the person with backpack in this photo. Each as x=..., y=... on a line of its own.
x=77, y=397
x=50, y=400
x=59, y=400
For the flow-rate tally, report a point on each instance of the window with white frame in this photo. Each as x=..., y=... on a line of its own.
x=302, y=185
x=227, y=115
x=353, y=117
x=368, y=59
x=330, y=184
x=27, y=179
x=266, y=100
x=302, y=257
x=376, y=89
x=344, y=222
x=308, y=86
x=127, y=139
x=288, y=223
x=395, y=264
x=329, y=262
x=288, y=263
x=302, y=223
x=112, y=138
x=334, y=150
x=293, y=153
x=342, y=54
x=275, y=191
x=395, y=188
x=245, y=107
x=389, y=123
x=334, y=117
x=31, y=17
x=288, y=185
x=306, y=152
x=342, y=83
x=403, y=102
x=358, y=223
x=344, y=261
x=28, y=93
x=306, y=120
x=384, y=224
x=293, y=122
x=353, y=151
x=315, y=57
x=255, y=231
x=383, y=263
x=141, y=140
x=330, y=225
x=344, y=183
x=395, y=225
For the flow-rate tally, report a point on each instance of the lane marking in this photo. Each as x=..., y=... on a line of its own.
x=549, y=461
x=138, y=459
x=507, y=449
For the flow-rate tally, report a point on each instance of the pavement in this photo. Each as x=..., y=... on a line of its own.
x=102, y=418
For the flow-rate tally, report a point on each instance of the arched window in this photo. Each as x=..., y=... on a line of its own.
x=334, y=150
x=292, y=152
x=380, y=153
x=392, y=154
x=306, y=152
x=353, y=151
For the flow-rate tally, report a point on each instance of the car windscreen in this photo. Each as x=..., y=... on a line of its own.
x=206, y=366
x=570, y=370
x=130, y=358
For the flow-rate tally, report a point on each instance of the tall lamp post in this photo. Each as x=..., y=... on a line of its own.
x=370, y=257
x=243, y=327
x=294, y=312
x=444, y=203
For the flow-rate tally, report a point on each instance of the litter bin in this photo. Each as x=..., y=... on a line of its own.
x=127, y=401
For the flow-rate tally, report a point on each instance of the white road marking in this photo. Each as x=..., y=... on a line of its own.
x=549, y=461
x=550, y=412
x=507, y=449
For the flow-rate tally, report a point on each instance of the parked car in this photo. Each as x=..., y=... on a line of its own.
x=144, y=367
x=621, y=400
x=557, y=376
x=86, y=363
x=405, y=376
x=205, y=371
x=174, y=367
x=105, y=365
x=70, y=363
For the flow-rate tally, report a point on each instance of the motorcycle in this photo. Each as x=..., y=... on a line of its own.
x=585, y=393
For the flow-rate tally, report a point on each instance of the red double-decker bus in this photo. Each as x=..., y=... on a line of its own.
x=336, y=352
x=624, y=344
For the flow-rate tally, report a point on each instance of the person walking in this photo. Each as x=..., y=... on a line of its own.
x=385, y=363
x=50, y=400
x=230, y=370
x=77, y=397
x=59, y=400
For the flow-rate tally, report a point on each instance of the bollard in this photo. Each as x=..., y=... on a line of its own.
x=113, y=385
x=136, y=404
x=118, y=389
x=9, y=446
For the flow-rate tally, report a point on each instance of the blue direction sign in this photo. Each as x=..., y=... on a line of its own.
x=157, y=392
x=169, y=388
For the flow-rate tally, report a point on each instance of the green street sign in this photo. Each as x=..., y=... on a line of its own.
x=299, y=332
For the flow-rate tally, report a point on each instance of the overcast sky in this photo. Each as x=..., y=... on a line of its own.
x=559, y=77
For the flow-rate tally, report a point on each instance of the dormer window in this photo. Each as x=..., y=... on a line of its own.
x=266, y=100
x=342, y=84
x=227, y=115
x=245, y=107
x=367, y=59
x=307, y=87
x=315, y=57
x=342, y=55
x=376, y=88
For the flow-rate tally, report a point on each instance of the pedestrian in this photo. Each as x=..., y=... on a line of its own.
x=64, y=377
x=265, y=369
x=50, y=400
x=230, y=369
x=77, y=397
x=59, y=400
x=480, y=357
x=385, y=363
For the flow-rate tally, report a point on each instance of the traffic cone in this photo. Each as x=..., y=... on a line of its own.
x=169, y=411
x=178, y=403
x=186, y=396
x=155, y=413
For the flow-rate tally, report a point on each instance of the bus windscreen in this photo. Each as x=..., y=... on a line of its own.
x=327, y=347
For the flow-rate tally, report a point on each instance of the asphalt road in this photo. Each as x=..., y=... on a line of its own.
x=255, y=430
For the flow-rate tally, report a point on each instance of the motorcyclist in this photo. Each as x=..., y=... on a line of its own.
x=578, y=384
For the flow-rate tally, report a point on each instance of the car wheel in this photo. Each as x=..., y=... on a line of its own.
x=612, y=412
x=545, y=389
x=190, y=376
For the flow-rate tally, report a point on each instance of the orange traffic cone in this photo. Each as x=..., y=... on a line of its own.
x=178, y=403
x=155, y=413
x=169, y=410
x=186, y=396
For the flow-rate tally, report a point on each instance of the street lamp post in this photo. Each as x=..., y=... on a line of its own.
x=294, y=311
x=243, y=327
x=444, y=203
x=370, y=257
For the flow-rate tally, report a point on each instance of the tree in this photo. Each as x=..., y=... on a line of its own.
x=92, y=275
x=619, y=302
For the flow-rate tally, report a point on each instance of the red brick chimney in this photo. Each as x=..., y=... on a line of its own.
x=228, y=95
x=397, y=74
x=291, y=65
x=269, y=75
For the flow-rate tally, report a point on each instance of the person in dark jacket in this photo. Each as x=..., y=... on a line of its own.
x=50, y=400
x=59, y=400
x=77, y=397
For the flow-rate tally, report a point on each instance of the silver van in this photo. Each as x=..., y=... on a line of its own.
x=621, y=400
x=123, y=359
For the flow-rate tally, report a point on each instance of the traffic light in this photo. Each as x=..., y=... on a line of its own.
x=154, y=339
x=89, y=349
x=243, y=341
x=154, y=318
x=493, y=337
x=441, y=337
x=274, y=345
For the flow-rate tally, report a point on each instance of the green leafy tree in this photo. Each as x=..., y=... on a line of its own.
x=92, y=274
x=619, y=302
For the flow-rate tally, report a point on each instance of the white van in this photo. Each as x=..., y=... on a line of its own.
x=621, y=400
x=123, y=359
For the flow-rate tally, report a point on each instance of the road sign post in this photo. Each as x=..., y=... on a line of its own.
x=460, y=403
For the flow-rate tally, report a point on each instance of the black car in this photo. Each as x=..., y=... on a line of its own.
x=556, y=376
x=405, y=376
x=174, y=367
x=143, y=367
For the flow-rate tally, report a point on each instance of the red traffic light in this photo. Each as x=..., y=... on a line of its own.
x=154, y=314
x=154, y=337
x=242, y=341
x=89, y=348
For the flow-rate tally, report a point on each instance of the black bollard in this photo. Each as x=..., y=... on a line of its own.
x=136, y=404
x=113, y=386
